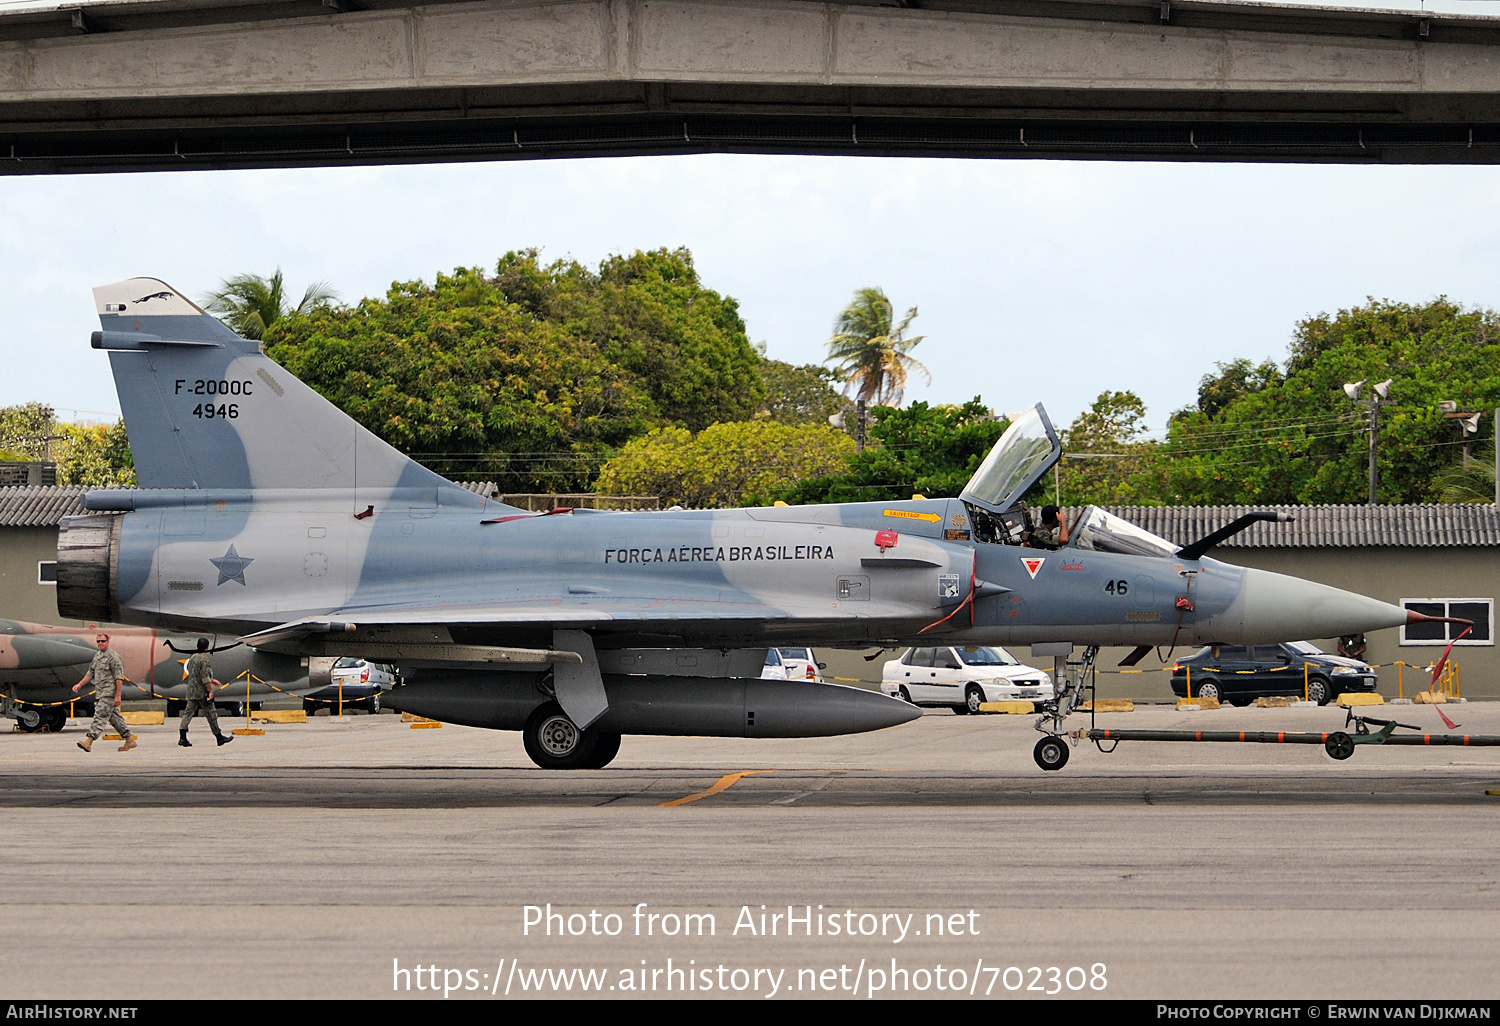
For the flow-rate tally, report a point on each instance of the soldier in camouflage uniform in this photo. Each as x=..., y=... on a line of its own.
x=200, y=685
x=107, y=673
x=1052, y=533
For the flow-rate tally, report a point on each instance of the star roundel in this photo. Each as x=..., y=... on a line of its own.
x=231, y=566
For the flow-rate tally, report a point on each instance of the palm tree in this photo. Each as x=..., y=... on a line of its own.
x=250, y=304
x=1470, y=480
x=871, y=355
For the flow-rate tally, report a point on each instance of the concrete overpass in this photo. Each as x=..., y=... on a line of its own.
x=187, y=84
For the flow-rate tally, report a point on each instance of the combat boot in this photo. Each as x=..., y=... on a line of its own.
x=183, y=741
x=223, y=739
x=87, y=744
x=130, y=743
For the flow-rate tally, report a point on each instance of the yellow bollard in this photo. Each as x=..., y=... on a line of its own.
x=1305, y=665
x=1189, y=682
x=1400, y=679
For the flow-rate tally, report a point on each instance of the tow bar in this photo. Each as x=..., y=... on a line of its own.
x=1338, y=743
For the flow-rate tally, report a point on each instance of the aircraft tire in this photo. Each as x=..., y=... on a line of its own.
x=605, y=751
x=554, y=742
x=1051, y=753
x=29, y=720
x=55, y=719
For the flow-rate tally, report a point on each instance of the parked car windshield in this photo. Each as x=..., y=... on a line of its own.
x=1105, y=532
x=1305, y=648
x=987, y=656
x=345, y=662
x=793, y=653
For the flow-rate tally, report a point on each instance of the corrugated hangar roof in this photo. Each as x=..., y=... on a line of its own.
x=39, y=506
x=1325, y=527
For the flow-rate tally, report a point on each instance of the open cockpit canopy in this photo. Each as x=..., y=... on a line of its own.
x=1026, y=451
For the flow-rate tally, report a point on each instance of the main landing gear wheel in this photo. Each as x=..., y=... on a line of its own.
x=1051, y=753
x=554, y=742
x=55, y=719
x=29, y=721
x=1339, y=745
x=604, y=752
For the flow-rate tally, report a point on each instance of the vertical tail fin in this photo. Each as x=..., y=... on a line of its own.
x=207, y=409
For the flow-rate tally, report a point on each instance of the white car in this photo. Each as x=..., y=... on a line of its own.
x=791, y=664
x=962, y=677
x=357, y=684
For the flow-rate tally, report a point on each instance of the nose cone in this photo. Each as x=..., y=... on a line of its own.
x=1281, y=608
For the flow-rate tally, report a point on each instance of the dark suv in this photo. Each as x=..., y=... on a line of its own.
x=1239, y=675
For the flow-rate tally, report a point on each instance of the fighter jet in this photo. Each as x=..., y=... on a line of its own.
x=267, y=512
x=39, y=664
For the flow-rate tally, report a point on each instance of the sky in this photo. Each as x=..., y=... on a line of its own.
x=1035, y=281
x=1045, y=281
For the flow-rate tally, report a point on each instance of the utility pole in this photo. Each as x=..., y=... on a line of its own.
x=861, y=415
x=1382, y=394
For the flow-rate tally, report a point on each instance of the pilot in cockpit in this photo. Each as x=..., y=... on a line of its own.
x=1052, y=532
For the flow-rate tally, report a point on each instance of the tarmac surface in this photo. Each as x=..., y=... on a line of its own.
x=319, y=859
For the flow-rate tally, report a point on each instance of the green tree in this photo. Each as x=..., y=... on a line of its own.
x=1298, y=439
x=1235, y=379
x=250, y=304
x=725, y=464
x=799, y=395
x=1472, y=479
x=871, y=352
x=927, y=450
x=535, y=376
x=1106, y=461
x=23, y=428
x=95, y=456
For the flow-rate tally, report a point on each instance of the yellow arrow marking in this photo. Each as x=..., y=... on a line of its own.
x=905, y=514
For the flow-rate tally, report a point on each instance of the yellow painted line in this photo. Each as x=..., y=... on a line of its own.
x=1495, y=793
x=906, y=514
x=724, y=783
